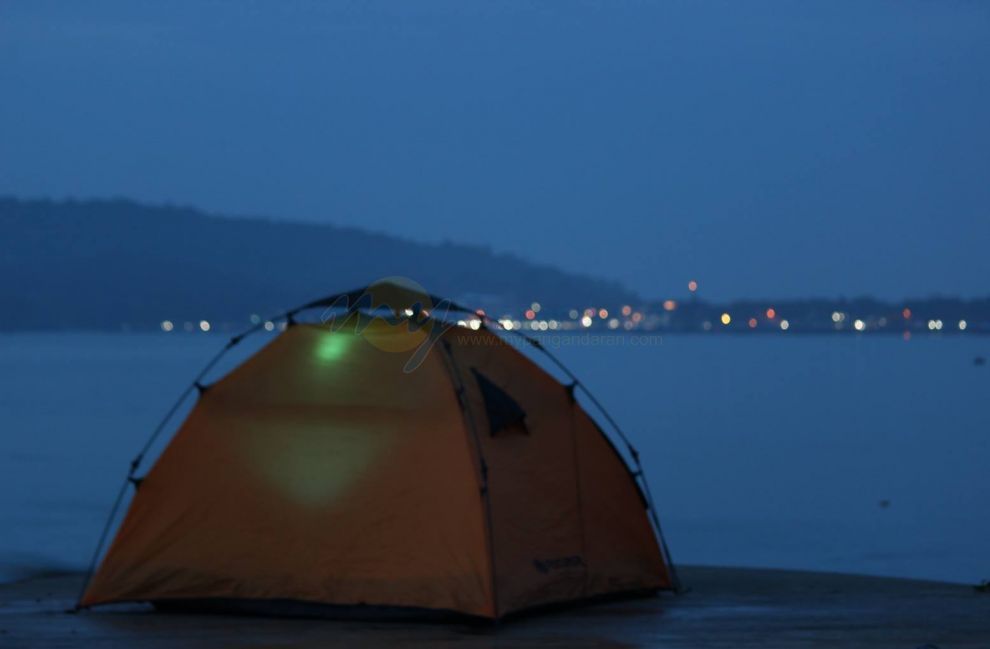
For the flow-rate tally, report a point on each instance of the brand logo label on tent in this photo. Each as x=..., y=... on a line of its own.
x=547, y=566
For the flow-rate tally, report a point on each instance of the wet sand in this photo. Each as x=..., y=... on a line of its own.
x=726, y=607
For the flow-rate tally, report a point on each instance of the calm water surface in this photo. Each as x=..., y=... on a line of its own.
x=860, y=454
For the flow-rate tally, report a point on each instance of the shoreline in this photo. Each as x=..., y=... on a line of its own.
x=724, y=607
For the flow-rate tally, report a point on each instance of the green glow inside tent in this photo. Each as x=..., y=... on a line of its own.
x=331, y=347
x=312, y=466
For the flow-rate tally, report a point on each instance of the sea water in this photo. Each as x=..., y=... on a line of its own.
x=865, y=454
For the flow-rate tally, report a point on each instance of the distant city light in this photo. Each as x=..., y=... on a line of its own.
x=626, y=310
x=554, y=324
x=407, y=312
x=771, y=313
x=859, y=325
x=535, y=306
x=726, y=318
x=586, y=321
x=938, y=325
x=692, y=286
x=613, y=323
x=603, y=313
x=785, y=325
x=573, y=314
x=590, y=312
x=474, y=323
x=838, y=316
x=935, y=325
x=462, y=323
x=962, y=325
x=269, y=326
x=167, y=325
x=752, y=323
x=669, y=305
x=706, y=325
x=636, y=317
x=204, y=325
x=506, y=324
x=906, y=313
x=255, y=318
x=530, y=314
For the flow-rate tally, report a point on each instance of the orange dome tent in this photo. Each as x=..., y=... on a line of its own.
x=385, y=461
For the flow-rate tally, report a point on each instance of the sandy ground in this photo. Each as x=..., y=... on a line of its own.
x=726, y=607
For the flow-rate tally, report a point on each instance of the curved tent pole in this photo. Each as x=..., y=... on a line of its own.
x=345, y=299
x=633, y=453
x=136, y=462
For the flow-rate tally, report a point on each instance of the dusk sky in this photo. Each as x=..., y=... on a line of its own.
x=767, y=149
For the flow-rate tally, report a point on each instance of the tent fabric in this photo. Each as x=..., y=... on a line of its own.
x=323, y=471
x=503, y=411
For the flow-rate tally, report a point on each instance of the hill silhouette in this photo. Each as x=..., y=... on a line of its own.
x=101, y=264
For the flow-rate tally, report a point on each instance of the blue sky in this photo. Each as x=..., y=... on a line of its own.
x=768, y=149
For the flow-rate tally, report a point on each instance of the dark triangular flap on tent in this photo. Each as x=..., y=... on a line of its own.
x=503, y=411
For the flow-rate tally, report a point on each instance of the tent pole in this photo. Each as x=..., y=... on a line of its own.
x=640, y=474
x=136, y=462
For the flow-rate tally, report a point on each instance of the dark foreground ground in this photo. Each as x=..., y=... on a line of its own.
x=726, y=607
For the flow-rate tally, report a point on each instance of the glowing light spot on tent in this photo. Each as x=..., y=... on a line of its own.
x=167, y=325
x=962, y=325
x=726, y=318
x=859, y=325
x=669, y=305
x=331, y=347
x=586, y=321
x=752, y=323
x=785, y=325
x=771, y=313
x=692, y=286
x=204, y=325
x=310, y=467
